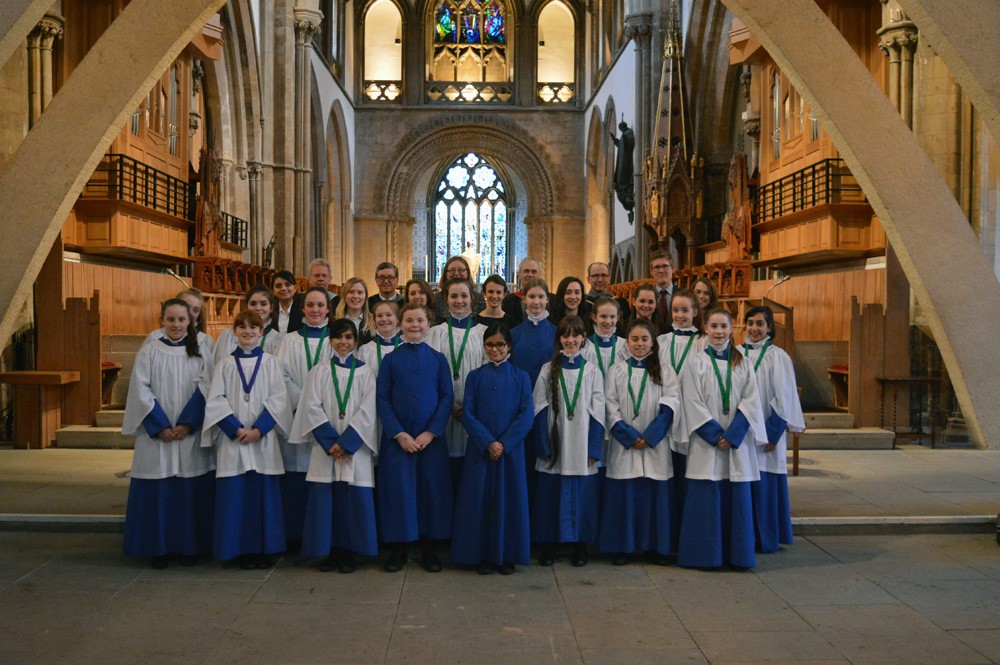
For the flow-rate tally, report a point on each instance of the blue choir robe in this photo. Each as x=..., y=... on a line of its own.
x=491, y=511
x=567, y=492
x=779, y=400
x=295, y=365
x=534, y=345
x=413, y=395
x=340, y=512
x=171, y=491
x=717, y=524
x=637, y=504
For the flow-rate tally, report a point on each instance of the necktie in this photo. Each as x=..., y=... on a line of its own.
x=662, y=306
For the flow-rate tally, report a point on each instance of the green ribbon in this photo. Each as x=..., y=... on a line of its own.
x=342, y=401
x=311, y=362
x=637, y=401
x=378, y=348
x=571, y=406
x=597, y=350
x=763, y=350
x=727, y=388
x=456, y=364
x=673, y=362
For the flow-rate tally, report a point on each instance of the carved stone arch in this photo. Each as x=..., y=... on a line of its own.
x=423, y=148
x=339, y=217
x=594, y=140
x=598, y=222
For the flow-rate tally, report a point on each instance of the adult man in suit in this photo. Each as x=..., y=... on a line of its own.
x=661, y=268
x=513, y=303
x=321, y=274
x=386, y=279
x=599, y=277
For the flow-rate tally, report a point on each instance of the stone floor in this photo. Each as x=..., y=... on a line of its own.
x=827, y=599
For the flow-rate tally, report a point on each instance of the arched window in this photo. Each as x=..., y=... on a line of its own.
x=469, y=60
x=471, y=208
x=383, y=51
x=556, y=54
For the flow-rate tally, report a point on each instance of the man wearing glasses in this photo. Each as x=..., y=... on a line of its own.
x=321, y=274
x=661, y=268
x=599, y=277
x=386, y=279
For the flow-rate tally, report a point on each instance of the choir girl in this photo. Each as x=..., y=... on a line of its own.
x=605, y=347
x=568, y=433
x=171, y=493
x=354, y=307
x=336, y=420
x=491, y=508
x=260, y=301
x=419, y=292
x=722, y=418
x=386, y=337
x=644, y=302
x=570, y=301
x=195, y=302
x=247, y=408
x=779, y=400
x=299, y=353
x=638, y=507
x=288, y=310
x=494, y=291
x=414, y=396
x=460, y=339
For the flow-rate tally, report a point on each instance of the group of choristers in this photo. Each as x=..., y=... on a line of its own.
x=320, y=442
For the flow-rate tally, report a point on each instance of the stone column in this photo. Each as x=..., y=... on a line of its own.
x=254, y=171
x=307, y=22
x=899, y=41
x=380, y=238
x=570, y=258
x=40, y=85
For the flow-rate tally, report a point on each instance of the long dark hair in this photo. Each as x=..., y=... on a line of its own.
x=570, y=325
x=559, y=304
x=735, y=357
x=768, y=317
x=191, y=341
x=653, y=360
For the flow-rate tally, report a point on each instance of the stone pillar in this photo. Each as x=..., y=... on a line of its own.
x=570, y=257
x=381, y=238
x=899, y=41
x=307, y=22
x=40, y=72
x=638, y=28
x=254, y=171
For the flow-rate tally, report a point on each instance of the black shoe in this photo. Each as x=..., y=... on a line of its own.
x=579, y=558
x=658, y=559
x=430, y=561
x=293, y=547
x=189, y=559
x=484, y=568
x=347, y=563
x=619, y=559
x=160, y=562
x=248, y=561
x=330, y=564
x=396, y=561
x=547, y=557
x=506, y=568
x=264, y=562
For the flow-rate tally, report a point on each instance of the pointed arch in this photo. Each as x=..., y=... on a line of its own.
x=338, y=214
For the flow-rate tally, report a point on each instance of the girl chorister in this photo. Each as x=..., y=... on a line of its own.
x=568, y=431
x=170, y=500
x=414, y=396
x=722, y=418
x=336, y=417
x=605, y=348
x=491, y=516
x=460, y=339
x=300, y=352
x=386, y=337
x=195, y=302
x=247, y=409
x=637, y=513
x=779, y=400
x=355, y=308
x=261, y=302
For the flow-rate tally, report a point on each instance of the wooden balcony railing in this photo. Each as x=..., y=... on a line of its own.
x=121, y=178
x=825, y=182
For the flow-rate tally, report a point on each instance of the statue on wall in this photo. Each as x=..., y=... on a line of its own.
x=624, y=170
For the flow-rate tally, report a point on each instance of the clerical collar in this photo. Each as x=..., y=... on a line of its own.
x=604, y=341
x=501, y=362
x=685, y=332
x=346, y=361
x=169, y=342
x=243, y=352
x=756, y=345
x=720, y=353
x=458, y=322
x=536, y=319
x=638, y=363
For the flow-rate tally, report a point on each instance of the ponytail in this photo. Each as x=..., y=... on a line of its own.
x=191, y=341
x=555, y=373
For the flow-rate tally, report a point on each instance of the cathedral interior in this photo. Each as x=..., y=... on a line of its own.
x=834, y=159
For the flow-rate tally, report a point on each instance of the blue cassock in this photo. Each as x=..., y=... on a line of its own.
x=414, y=394
x=534, y=345
x=491, y=511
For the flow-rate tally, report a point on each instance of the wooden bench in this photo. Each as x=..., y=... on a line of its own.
x=38, y=405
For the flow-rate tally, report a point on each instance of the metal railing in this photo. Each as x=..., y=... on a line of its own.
x=234, y=230
x=121, y=178
x=827, y=181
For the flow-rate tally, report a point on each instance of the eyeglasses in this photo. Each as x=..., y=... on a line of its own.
x=456, y=271
x=601, y=275
x=499, y=346
x=661, y=268
x=385, y=278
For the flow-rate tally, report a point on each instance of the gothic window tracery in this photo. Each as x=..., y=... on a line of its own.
x=470, y=48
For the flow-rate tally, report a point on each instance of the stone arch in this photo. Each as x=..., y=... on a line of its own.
x=339, y=178
x=920, y=216
x=422, y=149
x=597, y=237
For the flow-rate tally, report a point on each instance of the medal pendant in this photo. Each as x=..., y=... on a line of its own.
x=725, y=412
x=455, y=376
x=341, y=415
x=246, y=397
x=570, y=416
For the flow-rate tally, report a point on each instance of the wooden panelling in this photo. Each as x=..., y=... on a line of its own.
x=822, y=302
x=130, y=299
x=827, y=232
x=109, y=226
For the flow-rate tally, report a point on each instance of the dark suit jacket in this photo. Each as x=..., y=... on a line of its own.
x=376, y=299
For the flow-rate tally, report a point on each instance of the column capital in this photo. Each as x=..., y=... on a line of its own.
x=307, y=22
x=50, y=26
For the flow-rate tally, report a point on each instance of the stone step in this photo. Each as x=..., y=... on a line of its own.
x=828, y=420
x=110, y=418
x=84, y=436
x=861, y=438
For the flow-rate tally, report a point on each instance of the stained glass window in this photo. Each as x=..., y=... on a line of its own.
x=470, y=46
x=471, y=214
